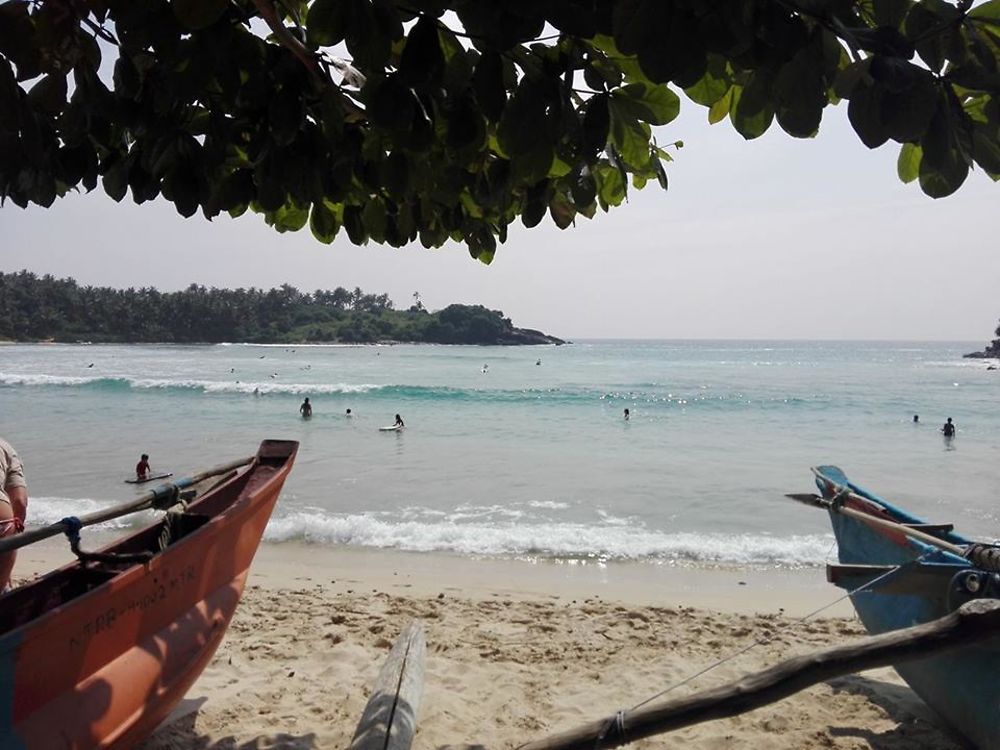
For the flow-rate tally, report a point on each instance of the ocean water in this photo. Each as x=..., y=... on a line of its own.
x=523, y=451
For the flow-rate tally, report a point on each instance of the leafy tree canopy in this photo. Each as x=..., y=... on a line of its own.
x=451, y=120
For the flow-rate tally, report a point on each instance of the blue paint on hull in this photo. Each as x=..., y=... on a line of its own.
x=962, y=686
x=9, y=646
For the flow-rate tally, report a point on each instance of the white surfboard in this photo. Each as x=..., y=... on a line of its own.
x=150, y=478
x=393, y=428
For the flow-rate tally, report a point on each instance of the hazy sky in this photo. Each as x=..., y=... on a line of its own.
x=774, y=238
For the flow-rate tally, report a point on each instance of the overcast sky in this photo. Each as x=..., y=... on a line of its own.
x=774, y=238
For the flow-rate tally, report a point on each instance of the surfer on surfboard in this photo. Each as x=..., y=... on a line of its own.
x=399, y=422
x=142, y=468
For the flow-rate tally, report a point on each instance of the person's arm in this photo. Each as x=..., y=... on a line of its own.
x=15, y=486
x=19, y=501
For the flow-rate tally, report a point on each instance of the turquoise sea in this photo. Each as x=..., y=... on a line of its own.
x=524, y=451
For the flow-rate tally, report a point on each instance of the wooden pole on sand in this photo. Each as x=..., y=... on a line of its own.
x=972, y=623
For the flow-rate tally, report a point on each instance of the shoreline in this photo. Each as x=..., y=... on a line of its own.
x=517, y=651
x=345, y=569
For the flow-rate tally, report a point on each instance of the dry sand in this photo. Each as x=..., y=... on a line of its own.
x=517, y=651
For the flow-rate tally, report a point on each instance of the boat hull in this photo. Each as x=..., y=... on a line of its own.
x=105, y=667
x=961, y=685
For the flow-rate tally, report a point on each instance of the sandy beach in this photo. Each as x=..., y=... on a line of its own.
x=519, y=650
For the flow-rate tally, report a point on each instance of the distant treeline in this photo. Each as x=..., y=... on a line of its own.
x=36, y=308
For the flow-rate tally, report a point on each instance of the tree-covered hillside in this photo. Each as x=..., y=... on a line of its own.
x=34, y=308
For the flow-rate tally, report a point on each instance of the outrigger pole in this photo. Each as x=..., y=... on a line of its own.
x=159, y=497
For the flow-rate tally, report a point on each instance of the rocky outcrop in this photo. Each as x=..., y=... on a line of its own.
x=990, y=352
x=528, y=336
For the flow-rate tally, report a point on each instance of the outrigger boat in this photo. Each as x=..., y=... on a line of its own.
x=97, y=653
x=901, y=572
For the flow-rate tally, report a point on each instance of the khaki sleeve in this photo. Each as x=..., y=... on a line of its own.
x=15, y=471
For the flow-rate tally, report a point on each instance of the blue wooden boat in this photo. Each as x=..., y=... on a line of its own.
x=897, y=580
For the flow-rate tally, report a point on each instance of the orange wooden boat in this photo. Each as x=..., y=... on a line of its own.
x=96, y=654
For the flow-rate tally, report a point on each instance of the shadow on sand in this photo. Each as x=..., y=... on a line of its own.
x=918, y=728
x=181, y=734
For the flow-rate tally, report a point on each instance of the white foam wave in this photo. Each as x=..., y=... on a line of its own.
x=43, y=511
x=548, y=505
x=9, y=378
x=206, y=386
x=214, y=386
x=565, y=540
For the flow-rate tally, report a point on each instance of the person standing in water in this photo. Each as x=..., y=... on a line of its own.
x=306, y=410
x=399, y=422
x=142, y=468
x=948, y=430
x=627, y=415
x=916, y=419
x=349, y=413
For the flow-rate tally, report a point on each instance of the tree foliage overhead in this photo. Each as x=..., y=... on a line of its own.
x=451, y=120
x=34, y=308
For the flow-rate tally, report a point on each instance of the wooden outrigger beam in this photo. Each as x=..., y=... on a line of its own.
x=389, y=720
x=152, y=499
x=971, y=623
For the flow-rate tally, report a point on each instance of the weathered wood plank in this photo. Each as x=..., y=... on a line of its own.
x=973, y=622
x=389, y=720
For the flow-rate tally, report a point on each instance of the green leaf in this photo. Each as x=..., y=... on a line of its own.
x=534, y=164
x=466, y=126
x=675, y=51
x=288, y=218
x=986, y=147
x=988, y=11
x=657, y=105
x=369, y=36
x=713, y=85
x=891, y=12
x=323, y=223
x=375, y=219
x=584, y=189
x=18, y=39
x=198, y=14
x=630, y=136
x=523, y=123
x=285, y=114
x=907, y=115
x=115, y=180
x=533, y=212
x=327, y=21
x=422, y=62
x=801, y=94
x=562, y=210
x=718, y=111
x=49, y=94
x=610, y=185
x=865, y=114
x=908, y=163
x=636, y=22
x=596, y=125
x=487, y=80
x=753, y=110
x=355, y=225
x=926, y=26
x=943, y=167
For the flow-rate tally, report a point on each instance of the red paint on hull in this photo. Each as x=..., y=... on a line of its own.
x=103, y=668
